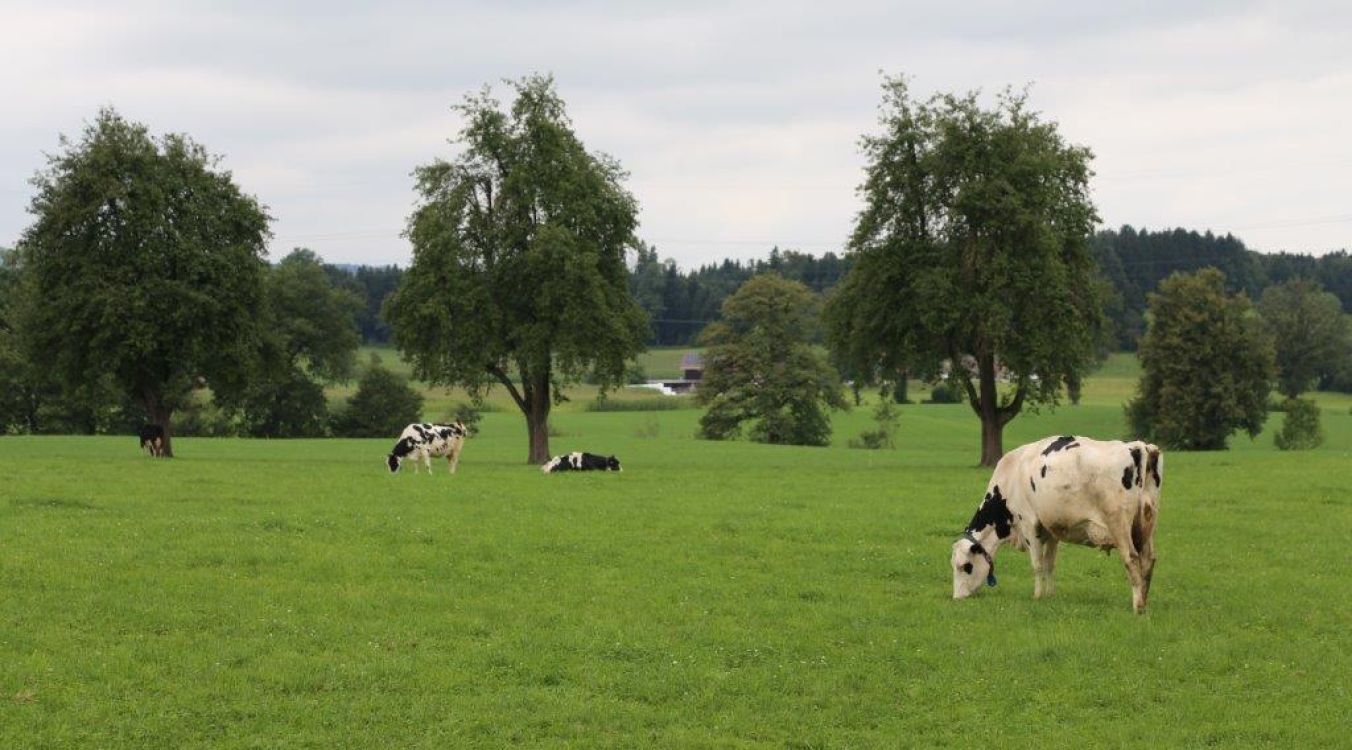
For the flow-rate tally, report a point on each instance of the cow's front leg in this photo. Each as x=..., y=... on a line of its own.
x=454, y=457
x=1048, y=580
x=1042, y=553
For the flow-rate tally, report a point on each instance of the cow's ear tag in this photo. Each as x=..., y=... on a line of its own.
x=990, y=579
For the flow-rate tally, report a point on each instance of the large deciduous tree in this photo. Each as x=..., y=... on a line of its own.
x=518, y=275
x=1207, y=365
x=971, y=249
x=146, y=263
x=1312, y=336
x=761, y=369
x=309, y=335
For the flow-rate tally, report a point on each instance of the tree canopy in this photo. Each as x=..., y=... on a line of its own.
x=971, y=253
x=518, y=275
x=760, y=368
x=1207, y=365
x=146, y=262
x=1312, y=336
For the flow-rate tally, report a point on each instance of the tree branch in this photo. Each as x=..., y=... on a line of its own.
x=1012, y=409
x=955, y=365
x=501, y=375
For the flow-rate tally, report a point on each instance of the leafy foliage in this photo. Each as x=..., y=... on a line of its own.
x=372, y=286
x=1301, y=429
x=972, y=243
x=888, y=417
x=146, y=266
x=681, y=303
x=285, y=404
x=1313, y=338
x=312, y=320
x=308, y=333
x=383, y=405
x=518, y=274
x=1207, y=365
x=760, y=368
x=946, y=392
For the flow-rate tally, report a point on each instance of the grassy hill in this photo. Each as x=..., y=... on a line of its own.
x=257, y=593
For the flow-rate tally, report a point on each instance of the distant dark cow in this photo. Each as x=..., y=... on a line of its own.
x=581, y=462
x=423, y=441
x=152, y=439
x=1103, y=494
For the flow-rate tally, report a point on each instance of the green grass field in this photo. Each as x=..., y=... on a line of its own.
x=265, y=594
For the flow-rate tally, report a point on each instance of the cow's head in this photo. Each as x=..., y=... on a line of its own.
x=612, y=464
x=972, y=566
x=392, y=461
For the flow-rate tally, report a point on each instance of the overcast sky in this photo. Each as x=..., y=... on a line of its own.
x=738, y=121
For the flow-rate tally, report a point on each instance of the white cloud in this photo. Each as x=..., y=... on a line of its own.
x=738, y=121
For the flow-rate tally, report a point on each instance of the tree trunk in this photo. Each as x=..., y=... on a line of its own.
x=537, y=421
x=164, y=418
x=162, y=415
x=992, y=441
x=899, y=390
x=992, y=422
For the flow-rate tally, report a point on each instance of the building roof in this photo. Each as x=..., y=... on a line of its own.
x=692, y=361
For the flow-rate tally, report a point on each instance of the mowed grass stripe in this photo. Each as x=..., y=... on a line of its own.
x=292, y=593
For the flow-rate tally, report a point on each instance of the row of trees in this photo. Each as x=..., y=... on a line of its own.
x=144, y=275
x=1135, y=262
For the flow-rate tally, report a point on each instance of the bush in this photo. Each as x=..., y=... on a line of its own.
x=289, y=405
x=658, y=403
x=633, y=375
x=468, y=415
x=1301, y=431
x=204, y=420
x=946, y=392
x=887, y=417
x=383, y=406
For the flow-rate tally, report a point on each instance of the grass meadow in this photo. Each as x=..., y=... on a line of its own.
x=293, y=594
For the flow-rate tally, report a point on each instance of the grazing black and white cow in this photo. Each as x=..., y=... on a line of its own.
x=1102, y=494
x=152, y=439
x=423, y=441
x=581, y=462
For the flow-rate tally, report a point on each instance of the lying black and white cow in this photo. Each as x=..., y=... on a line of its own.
x=1103, y=494
x=152, y=439
x=581, y=462
x=423, y=441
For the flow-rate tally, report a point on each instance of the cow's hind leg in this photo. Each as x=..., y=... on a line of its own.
x=454, y=456
x=1131, y=560
x=1143, y=536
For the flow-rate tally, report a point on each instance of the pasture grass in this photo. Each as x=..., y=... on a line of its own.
x=256, y=593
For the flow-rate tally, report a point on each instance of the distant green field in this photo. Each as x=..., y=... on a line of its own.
x=259, y=594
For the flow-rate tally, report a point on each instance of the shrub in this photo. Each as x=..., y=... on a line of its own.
x=946, y=392
x=887, y=417
x=468, y=415
x=204, y=419
x=289, y=404
x=382, y=406
x=1301, y=431
x=658, y=403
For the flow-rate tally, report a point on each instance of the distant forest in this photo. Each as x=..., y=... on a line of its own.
x=681, y=302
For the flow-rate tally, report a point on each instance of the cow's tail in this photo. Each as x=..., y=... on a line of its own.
x=1147, y=512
